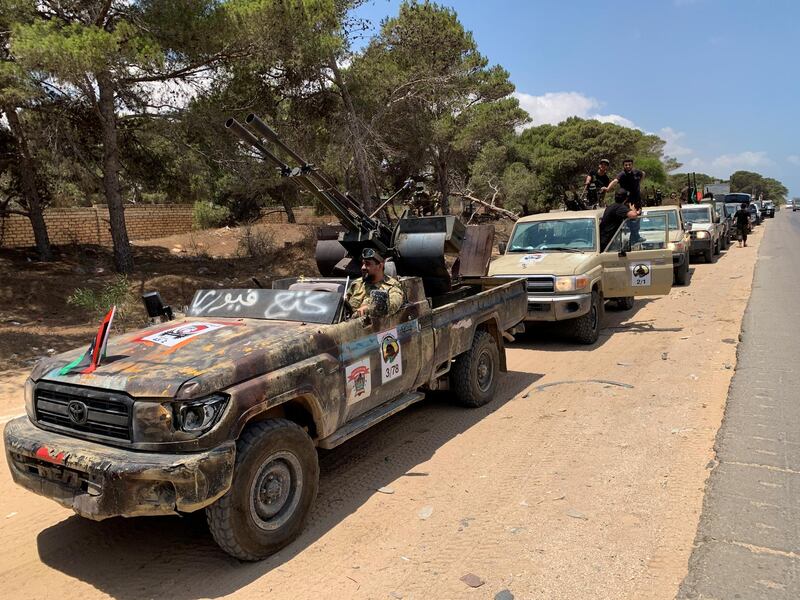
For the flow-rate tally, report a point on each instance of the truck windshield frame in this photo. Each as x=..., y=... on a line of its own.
x=691, y=214
x=304, y=306
x=555, y=235
x=672, y=218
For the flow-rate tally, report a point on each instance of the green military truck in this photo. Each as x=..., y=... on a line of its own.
x=223, y=410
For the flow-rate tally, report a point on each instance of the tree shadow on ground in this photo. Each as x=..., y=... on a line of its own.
x=175, y=557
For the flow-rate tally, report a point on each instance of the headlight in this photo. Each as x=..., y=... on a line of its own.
x=677, y=246
x=30, y=409
x=701, y=235
x=198, y=416
x=571, y=283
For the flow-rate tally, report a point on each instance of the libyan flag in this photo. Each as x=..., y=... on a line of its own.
x=97, y=349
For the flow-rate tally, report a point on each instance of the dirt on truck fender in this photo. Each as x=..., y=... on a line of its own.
x=224, y=409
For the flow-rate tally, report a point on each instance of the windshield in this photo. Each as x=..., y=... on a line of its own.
x=696, y=215
x=558, y=234
x=650, y=224
x=737, y=198
x=304, y=306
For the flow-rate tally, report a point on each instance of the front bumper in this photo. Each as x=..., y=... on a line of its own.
x=98, y=481
x=557, y=308
x=701, y=245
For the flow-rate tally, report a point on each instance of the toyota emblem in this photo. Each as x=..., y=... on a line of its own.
x=78, y=413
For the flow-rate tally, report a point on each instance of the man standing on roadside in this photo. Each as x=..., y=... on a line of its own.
x=596, y=183
x=742, y=218
x=630, y=180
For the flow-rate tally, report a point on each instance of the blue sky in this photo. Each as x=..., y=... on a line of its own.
x=718, y=79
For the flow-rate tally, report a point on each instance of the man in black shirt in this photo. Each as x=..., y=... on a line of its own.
x=742, y=218
x=614, y=216
x=630, y=180
x=596, y=183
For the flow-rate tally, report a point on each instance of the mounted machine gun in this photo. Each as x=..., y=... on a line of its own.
x=416, y=245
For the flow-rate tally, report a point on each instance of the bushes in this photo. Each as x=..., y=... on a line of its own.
x=257, y=243
x=207, y=216
x=117, y=292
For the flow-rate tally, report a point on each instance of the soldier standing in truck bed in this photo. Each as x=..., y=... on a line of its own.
x=373, y=278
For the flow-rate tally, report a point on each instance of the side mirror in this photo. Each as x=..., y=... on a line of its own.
x=380, y=303
x=501, y=247
x=155, y=307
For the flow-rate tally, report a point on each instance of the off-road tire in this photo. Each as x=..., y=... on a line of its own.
x=473, y=376
x=232, y=518
x=586, y=329
x=625, y=303
x=682, y=273
x=717, y=247
x=708, y=255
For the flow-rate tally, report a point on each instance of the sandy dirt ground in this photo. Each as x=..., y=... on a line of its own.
x=582, y=479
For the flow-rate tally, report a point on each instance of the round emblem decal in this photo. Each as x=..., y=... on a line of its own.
x=78, y=413
x=641, y=270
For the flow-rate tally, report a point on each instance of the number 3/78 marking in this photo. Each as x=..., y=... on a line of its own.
x=391, y=371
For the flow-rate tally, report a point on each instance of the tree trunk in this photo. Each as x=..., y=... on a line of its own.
x=443, y=183
x=287, y=205
x=27, y=174
x=123, y=255
x=359, y=144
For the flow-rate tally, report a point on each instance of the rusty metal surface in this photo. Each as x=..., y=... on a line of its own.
x=475, y=254
x=98, y=481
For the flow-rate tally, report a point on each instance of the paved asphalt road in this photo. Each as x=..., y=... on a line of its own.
x=748, y=540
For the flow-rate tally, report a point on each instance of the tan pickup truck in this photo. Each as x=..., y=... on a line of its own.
x=679, y=238
x=569, y=277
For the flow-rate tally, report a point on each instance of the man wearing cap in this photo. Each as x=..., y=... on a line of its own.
x=373, y=278
x=596, y=183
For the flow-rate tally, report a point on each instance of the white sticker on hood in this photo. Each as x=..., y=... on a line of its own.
x=528, y=259
x=176, y=335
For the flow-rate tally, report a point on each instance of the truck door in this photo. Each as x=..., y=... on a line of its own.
x=638, y=261
x=384, y=359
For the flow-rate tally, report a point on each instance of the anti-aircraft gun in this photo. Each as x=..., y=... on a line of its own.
x=416, y=245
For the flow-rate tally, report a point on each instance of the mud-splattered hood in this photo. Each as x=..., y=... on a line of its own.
x=543, y=263
x=190, y=358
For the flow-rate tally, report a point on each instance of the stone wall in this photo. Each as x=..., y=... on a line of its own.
x=91, y=225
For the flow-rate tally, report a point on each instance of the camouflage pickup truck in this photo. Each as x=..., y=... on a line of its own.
x=224, y=408
x=569, y=277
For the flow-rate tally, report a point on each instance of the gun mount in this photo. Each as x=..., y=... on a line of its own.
x=417, y=246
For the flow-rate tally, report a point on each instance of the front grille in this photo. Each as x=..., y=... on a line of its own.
x=108, y=414
x=541, y=283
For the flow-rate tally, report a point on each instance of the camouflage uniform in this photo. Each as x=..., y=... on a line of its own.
x=359, y=293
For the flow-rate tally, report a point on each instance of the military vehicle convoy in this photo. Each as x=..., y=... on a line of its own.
x=224, y=408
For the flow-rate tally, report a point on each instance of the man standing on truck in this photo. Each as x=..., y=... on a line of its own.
x=614, y=216
x=630, y=180
x=373, y=278
x=595, y=183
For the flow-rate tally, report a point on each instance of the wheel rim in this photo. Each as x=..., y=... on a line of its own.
x=485, y=371
x=275, y=491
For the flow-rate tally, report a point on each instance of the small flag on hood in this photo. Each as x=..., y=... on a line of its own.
x=97, y=349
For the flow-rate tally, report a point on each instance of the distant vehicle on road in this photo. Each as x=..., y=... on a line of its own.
x=705, y=230
x=679, y=239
